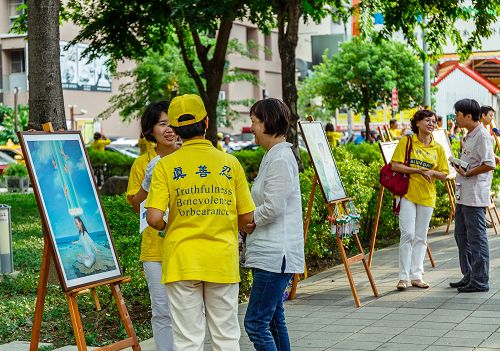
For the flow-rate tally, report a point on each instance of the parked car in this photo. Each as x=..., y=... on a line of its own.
x=5, y=161
x=130, y=151
x=124, y=141
x=243, y=139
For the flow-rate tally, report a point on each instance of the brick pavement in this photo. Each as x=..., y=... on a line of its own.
x=323, y=317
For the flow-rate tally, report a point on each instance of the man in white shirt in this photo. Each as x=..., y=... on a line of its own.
x=473, y=196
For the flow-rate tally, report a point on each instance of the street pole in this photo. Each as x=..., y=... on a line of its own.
x=427, y=70
x=16, y=92
x=72, y=116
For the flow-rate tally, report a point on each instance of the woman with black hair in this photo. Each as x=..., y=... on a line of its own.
x=427, y=163
x=90, y=250
x=275, y=248
x=156, y=128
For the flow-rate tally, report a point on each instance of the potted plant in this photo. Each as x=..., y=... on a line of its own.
x=17, y=178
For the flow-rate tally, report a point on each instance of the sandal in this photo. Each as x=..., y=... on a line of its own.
x=401, y=285
x=419, y=283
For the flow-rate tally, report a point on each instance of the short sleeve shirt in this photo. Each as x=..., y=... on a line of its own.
x=205, y=190
x=151, y=243
x=477, y=150
x=100, y=144
x=431, y=156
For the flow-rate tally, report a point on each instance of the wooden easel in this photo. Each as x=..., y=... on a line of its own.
x=379, y=210
x=114, y=284
x=347, y=261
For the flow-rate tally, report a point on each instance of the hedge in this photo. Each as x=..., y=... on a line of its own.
x=108, y=163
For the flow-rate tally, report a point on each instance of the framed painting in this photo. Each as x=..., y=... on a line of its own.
x=323, y=162
x=441, y=137
x=387, y=149
x=70, y=208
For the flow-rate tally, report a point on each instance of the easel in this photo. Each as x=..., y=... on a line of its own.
x=114, y=284
x=347, y=261
x=379, y=210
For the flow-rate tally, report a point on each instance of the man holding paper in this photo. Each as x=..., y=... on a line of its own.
x=473, y=196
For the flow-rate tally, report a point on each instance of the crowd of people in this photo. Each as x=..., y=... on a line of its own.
x=197, y=200
x=197, y=203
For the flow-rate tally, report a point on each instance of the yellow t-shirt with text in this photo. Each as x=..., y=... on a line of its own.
x=205, y=190
x=151, y=243
x=432, y=156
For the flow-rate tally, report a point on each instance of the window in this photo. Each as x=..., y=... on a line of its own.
x=13, y=12
x=268, y=47
x=13, y=5
x=252, y=41
x=17, y=62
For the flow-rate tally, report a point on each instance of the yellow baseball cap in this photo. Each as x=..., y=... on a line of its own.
x=188, y=104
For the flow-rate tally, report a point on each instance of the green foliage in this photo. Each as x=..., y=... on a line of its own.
x=107, y=164
x=157, y=76
x=7, y=120
x=443, y=22
x=163, y=75
x=124, y=225
x=361, y=77
x=250, y=160
x=16, y=170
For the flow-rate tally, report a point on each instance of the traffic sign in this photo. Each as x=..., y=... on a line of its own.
x=395, y=100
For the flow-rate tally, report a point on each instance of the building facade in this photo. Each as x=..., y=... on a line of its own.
x=84, y=100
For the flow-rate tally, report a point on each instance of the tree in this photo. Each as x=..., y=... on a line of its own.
x=156, y=77
x=45, y=92
x=147, y=25
x=440, y=24
x=163, y=75
x=361, y=77
x=286, y=15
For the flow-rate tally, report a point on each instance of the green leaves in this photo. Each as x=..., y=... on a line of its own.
x=442, y=22
x=361, y=76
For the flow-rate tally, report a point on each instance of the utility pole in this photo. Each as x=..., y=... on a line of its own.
x=427, y=70
x=16, y=92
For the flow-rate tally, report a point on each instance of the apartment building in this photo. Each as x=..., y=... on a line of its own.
x=87, y=86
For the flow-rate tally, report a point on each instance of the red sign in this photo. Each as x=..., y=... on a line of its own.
x=395, y=102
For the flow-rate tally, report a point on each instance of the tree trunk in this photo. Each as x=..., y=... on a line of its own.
x=290, y=12
x=367, y=122
x=46, y=100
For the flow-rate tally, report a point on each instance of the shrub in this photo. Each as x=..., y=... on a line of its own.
x=359, y=167
x=16, y=170
x=107, y=164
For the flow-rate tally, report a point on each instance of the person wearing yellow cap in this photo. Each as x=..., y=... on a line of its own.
x=207, y=196
x=220, y=136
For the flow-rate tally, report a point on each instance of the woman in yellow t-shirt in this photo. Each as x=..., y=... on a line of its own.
x=427, y=163
x=155, y=128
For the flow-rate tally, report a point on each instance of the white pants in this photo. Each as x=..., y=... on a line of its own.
x=413, y=224
x=160, y=321
x=191, y=301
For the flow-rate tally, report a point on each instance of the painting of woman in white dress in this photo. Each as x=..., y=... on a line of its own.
x=88, y=256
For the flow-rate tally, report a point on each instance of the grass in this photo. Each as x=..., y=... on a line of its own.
x=18, y=295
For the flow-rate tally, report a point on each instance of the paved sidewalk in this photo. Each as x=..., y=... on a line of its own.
x=323, y=316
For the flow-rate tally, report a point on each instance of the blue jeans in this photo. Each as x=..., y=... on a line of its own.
x=473, y=251
x=265, y=317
